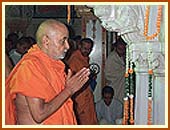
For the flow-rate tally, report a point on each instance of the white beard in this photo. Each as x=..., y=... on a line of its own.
x=62, y=55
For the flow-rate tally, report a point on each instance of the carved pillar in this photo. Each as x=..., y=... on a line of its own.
x=128, y=21
x=139, y=55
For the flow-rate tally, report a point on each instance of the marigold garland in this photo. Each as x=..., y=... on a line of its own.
x=149, y=111
x=130, y=71
x=131, y=96
x=150, y=76
x=125, y=111
x=126, y=94
x=158, y=23
x=131, y=110
x=150, y=71
x=68, y=13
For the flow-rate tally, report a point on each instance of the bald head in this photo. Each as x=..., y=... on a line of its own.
x=48, y=27
x=52, y=38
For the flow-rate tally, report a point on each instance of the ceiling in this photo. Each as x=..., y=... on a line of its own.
x=45, y=11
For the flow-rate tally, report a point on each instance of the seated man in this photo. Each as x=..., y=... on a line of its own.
x=109, y=110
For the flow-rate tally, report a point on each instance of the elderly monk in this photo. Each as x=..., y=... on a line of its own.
x=84, y=100
x=38, y=90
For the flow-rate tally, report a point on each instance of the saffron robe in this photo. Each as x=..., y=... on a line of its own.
x=84, y=100
x=37, y=75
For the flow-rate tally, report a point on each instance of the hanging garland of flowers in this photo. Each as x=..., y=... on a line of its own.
x=126, y=94
x=150, y=99
x=150, y=76
x=129, y=83
x=68, y=13
x=150, y=71
x=131, y=96
x=128, y=116
x=158, y=23
x=125, y=111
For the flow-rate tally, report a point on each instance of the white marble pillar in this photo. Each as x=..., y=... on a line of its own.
x=159, y=100
x=96, y=54
x=140, y=113
x=128, y=21
x=139, y=55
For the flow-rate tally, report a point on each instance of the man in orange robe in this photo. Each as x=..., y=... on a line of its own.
x=38, y=90
x=84, y=100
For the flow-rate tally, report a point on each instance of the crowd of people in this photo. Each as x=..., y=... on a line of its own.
x=15, y=48
x=48, y=80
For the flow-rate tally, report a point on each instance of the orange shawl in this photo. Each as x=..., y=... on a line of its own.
x=37, y=75
x=85, y=110
x=77, y=61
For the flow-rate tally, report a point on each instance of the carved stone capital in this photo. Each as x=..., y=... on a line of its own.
x=139, y=55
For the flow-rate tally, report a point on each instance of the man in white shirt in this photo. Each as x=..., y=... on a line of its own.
x=108, y=108
x=115, y=68
x=22, y=46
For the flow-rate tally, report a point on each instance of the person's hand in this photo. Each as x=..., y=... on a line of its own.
x=75, y=82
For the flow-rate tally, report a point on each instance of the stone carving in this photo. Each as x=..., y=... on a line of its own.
x=139, y=55
x=128, y=21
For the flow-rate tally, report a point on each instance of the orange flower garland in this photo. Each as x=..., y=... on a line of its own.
x=150, y=71
x=131, y=110
x=149, y=112
x=158, y=23
x=126, y=100
x=125, y=111
x=68, y=13
x=131, y=96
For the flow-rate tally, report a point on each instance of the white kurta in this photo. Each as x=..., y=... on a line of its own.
x=114, y=74
x=109, y=114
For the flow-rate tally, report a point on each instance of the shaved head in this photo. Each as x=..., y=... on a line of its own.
x=52, y=38
x=48, y=27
